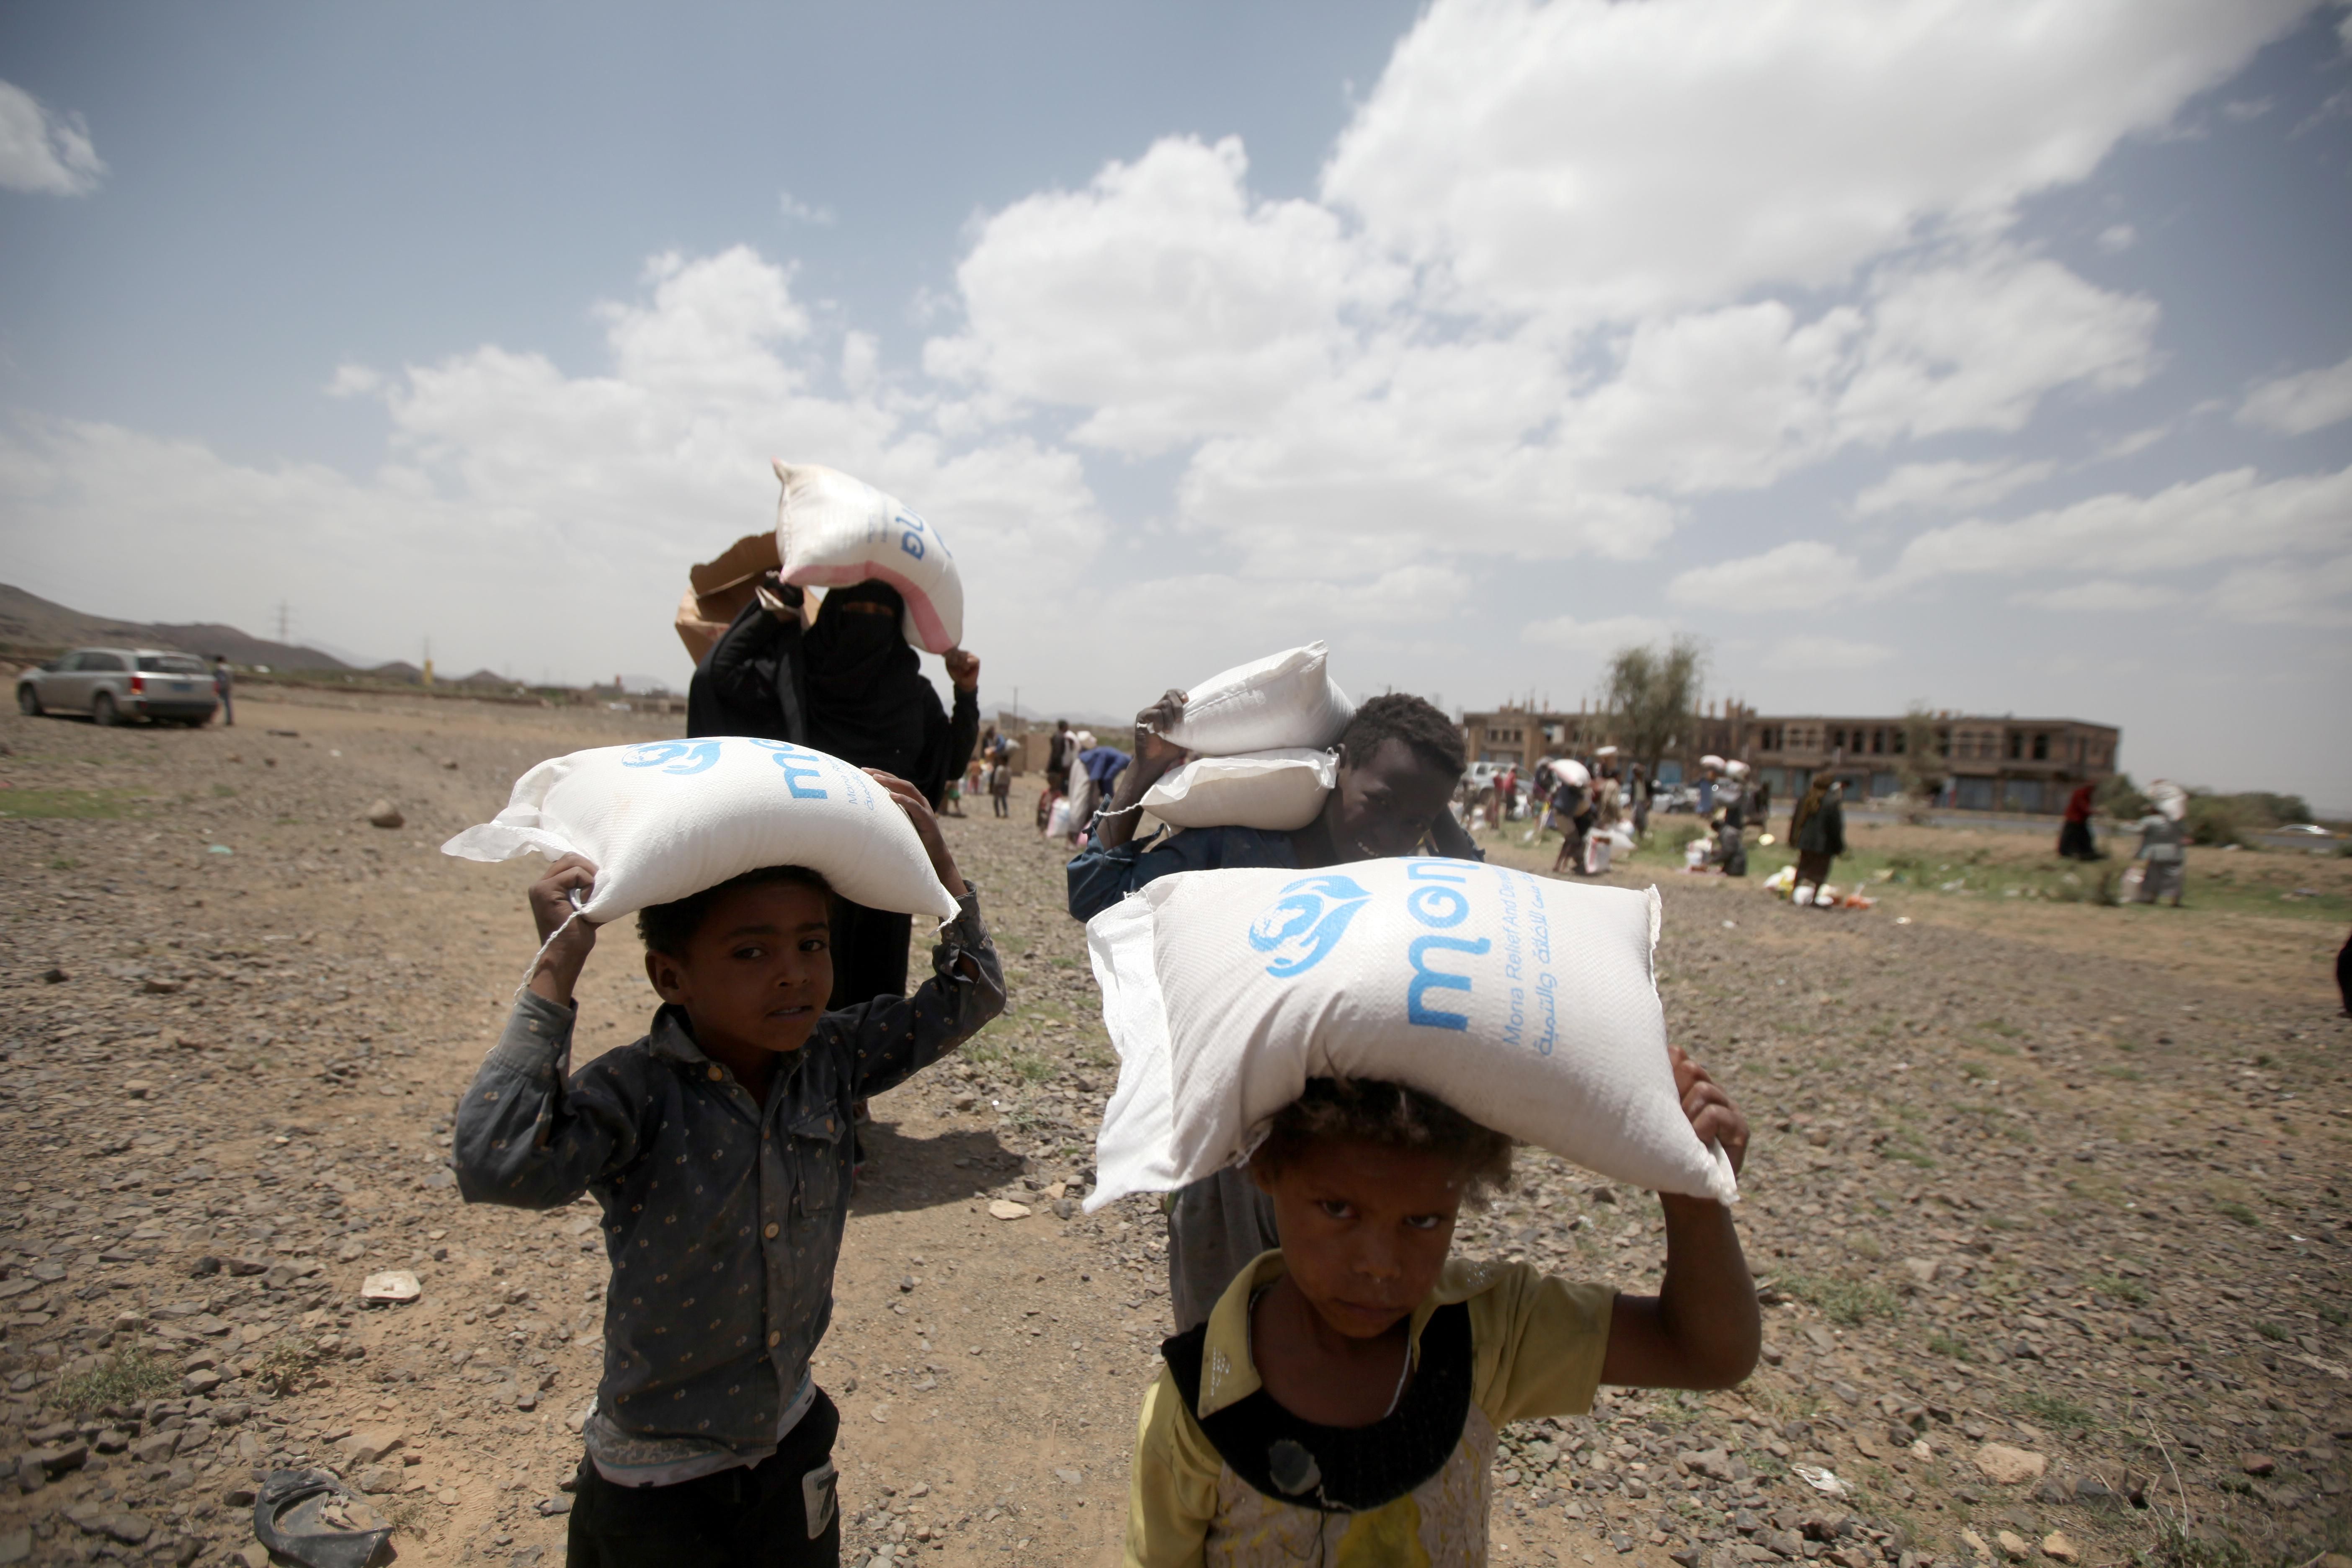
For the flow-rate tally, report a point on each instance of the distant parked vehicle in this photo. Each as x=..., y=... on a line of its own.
x=2305, y=830
x=117, y=685
x=1676, y=797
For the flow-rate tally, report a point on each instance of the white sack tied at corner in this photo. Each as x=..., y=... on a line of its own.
x=1276, y=790
x=1528, y=1004
x=668, y=818
x=833, y=531
x=1284, y=701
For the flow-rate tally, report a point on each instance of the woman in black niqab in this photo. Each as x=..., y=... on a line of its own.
x=868, y=703
x=850, y=686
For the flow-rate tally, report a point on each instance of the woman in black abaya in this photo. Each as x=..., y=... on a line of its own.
x=867, y=701
x=848, y=685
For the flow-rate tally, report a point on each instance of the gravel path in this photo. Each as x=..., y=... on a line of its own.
x=2054, y=1234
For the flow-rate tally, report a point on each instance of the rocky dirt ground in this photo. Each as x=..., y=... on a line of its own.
x=2049, y=1209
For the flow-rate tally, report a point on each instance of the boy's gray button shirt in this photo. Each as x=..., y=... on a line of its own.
x=722, y=1221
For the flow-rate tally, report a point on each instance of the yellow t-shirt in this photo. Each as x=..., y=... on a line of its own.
x=1537, y=1345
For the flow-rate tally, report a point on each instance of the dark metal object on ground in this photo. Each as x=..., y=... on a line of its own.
x=310, y=1518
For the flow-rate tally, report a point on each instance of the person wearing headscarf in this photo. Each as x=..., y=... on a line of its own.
x=2163, y=843
x=2075, y=839
x=1817, y=827
x=869, y=703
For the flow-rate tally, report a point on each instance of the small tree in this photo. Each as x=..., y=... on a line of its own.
x=1922, y=769
x=1652, y=695
x=2119, y=798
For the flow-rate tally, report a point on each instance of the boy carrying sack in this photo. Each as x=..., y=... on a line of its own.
x=1342, y=1401
x=1366, y=1043
x=719, y=1146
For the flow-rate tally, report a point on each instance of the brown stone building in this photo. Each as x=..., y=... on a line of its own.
x=1525, y=735
x=1989, y=764
x=2003, y=764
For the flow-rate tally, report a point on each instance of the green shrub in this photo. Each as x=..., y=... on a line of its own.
x=2120, y=798
x=2051, y=1411
x=1851, y=1302
x=124, y=1378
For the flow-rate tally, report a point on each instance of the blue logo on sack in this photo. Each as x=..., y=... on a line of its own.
x=1303, y=927
x=683, y=756
x=799, y=765
x=700, y=756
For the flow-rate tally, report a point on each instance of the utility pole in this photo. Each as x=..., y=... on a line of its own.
x=284, y=616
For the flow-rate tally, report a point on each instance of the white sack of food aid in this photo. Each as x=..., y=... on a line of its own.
x=1276, y=790
x=1526, y=1004
x=668, y=818
x=1285, y=700
x=833, y=531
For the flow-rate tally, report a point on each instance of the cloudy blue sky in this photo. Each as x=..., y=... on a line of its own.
x=1994, y=355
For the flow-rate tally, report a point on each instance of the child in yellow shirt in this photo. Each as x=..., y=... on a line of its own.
x=1340, y=1405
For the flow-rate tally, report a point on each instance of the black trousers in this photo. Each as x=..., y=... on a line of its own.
x=755, y=1518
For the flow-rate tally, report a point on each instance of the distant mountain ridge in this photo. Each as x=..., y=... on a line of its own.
x=31, y=622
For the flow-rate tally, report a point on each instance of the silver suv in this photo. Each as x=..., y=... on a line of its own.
x=113, y=685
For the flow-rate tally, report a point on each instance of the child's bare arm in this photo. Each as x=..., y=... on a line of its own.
x=1702, y=1329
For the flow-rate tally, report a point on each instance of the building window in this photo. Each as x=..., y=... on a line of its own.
x=2042, y=748
x=2016, y=746
x=1901, y=741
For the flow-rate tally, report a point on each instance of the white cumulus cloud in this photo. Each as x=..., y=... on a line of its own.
x=2100, y=593
x=1802, y=574
x=2227, y=515
x=528, y=518
x=42, y=150
x=1589, y=160
x=354, y=381
x=1950, y=486
x=2272, y=594
x=1164, y=298
x=1818, y=653
x=1603, y=636
x=1974, y=344
x=2297, y=404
